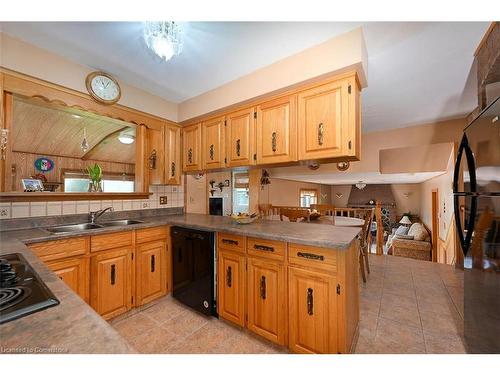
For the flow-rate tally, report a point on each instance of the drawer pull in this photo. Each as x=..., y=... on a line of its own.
x=152, y=263
x=263, y=287
x=310, y=301
x=310, y=256
x=229, y=277
x=113, y=274
x=230, y=242
x=263, y=248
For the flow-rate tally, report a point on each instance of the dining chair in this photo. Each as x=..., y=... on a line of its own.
x=265, y=210
x=294, y=214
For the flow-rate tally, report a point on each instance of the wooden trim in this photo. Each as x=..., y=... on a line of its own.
x=89, y=153
x=435, y=223
x=49, y=196
x=380, y=229
x=485, y=37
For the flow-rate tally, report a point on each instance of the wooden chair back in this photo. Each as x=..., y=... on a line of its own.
x=265, y=210
x=293, y=214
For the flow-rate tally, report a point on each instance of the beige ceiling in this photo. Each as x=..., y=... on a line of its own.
x=44, y=129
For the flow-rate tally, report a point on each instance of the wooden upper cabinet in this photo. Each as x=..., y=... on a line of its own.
x=191, y=148
x=155, y=155
x=277, y=131
x=173, y=167
x=323, y=120
x=313, y=326
x=111, y=282
x=213, y=149
x=240, y=138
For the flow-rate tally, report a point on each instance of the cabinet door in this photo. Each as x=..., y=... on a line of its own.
x=240, y=135
x=267, y=314
x=151, y=271
x=231, y=287
x=322, y=115
x=156, y=147
x=312, y=312
x=172, y=155
x=75, y=273
x=192, y=147
x=213, y=150
x=277, y=131
x=111, y=281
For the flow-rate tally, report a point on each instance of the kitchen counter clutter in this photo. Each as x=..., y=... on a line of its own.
x=116, y=268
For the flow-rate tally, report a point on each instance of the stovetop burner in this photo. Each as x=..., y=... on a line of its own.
x=12, y=296
x=22, y=292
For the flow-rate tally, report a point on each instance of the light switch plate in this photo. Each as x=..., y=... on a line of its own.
x=163, y=199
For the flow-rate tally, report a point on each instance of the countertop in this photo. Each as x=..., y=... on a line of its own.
x=74, y=327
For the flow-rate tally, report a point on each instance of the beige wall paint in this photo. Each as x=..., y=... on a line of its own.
x=26, y=58
x=340, y=54
x=286, y=193
x=196, y=194
x=407, y=197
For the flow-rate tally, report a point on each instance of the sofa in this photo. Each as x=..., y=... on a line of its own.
x=416, y=244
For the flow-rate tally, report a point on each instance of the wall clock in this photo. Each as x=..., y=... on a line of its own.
x=103, y=87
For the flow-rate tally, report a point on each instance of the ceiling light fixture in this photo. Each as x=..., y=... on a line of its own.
x=164, y=38
x=360, y=185
x=126, y=139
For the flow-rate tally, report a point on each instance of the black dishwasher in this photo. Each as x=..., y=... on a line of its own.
x=193, y=264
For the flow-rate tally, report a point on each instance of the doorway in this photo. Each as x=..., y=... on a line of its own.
x=435, y=224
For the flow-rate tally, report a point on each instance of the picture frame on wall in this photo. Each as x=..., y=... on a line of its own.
x=32, y=185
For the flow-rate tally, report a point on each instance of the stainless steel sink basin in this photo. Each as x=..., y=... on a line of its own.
x=118, y=223
x=74, y=228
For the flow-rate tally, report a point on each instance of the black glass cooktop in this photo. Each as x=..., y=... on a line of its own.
x=22, y=292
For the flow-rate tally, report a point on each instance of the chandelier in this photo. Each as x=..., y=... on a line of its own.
x=164, y=38
x=360, y=185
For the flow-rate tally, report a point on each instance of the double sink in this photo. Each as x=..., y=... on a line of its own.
x=89, y=226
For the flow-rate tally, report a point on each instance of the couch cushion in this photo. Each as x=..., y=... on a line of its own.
x=402, y=230
x=418, y=231
x=404, y=237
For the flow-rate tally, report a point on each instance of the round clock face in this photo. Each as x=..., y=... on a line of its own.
x=103, y=88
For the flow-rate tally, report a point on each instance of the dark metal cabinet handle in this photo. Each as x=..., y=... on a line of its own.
x=190, y=156
x=263, y=248
x=321, y=130
x=152, y=263
x=238, y=147
x=263, y=287
x=273, y=141
x=172, y=169
x=211, y=151
x=113, y=274
x=310, y=301
x=310, y=256
x=229, y=277
x=230, y=242
x=152, y=160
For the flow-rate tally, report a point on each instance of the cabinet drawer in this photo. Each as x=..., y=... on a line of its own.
x=266, y=248
x=231, y=242
x=59, y=249
x=110, y=241
x=151, y=234
x=312, y=257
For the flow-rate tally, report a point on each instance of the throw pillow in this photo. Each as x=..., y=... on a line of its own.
x=402, y=230
x=418, y=232
x=404, y=237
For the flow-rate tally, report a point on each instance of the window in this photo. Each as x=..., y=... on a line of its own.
x=240, y=193
x=78, y=182
x=308, y=197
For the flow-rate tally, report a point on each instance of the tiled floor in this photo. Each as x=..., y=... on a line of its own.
x=407, y=306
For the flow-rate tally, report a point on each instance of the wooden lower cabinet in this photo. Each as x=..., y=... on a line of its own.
x=75, y=273
x=111, y=282
x=267, y=303
x=231, y=286
x=151, y=271
x=312, y=310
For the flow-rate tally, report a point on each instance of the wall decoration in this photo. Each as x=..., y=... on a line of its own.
x=227, y=183
x=32, y=185
x=339, y=195
x=44, y=164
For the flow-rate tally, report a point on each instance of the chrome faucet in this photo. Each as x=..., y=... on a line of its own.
x=94, y=215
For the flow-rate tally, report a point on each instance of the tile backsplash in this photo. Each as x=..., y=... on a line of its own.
x=174, y=194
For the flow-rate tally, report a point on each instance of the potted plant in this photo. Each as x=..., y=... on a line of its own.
x=95, y=176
